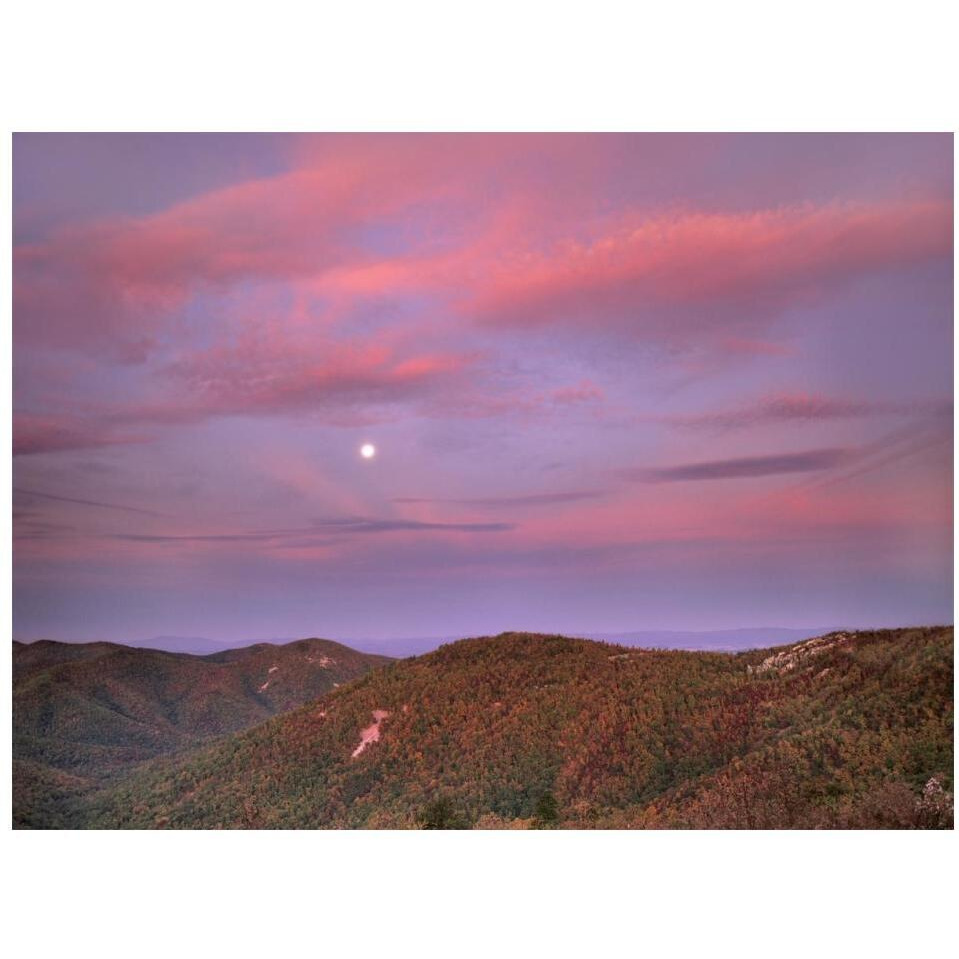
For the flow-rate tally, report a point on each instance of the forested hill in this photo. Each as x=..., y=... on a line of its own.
x=87, y=712
x=518, y=730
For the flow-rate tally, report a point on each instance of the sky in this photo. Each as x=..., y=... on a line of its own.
x=614, y=382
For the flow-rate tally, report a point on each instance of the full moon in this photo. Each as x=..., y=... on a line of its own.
x=367, y=451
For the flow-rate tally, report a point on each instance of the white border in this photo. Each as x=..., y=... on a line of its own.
x=500, y=65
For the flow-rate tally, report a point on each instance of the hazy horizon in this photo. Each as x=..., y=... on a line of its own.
x=417, y=385
x=435, y=634
x=731, y=639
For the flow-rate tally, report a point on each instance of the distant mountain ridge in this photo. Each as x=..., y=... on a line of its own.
x=195, y=645
x=730, y=640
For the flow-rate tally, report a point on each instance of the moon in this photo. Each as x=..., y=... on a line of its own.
x=367, y=451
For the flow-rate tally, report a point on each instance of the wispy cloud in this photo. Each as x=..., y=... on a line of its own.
x=361, y=525
x=511, y=502
x=332, y=527
x=84, y=502
x=275, y=373
x=899, y=444
x=809, y=461
x=802, y=408
x=197, y=537
x=34, y=434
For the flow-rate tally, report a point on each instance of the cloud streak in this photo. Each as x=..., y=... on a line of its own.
x=513, y=502
x=362, y=525
x=84, y=502
x=352, y=525
x=34, y=434
x=809, y=461
x=802, y=408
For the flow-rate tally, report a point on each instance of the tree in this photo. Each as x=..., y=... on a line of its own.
x=440, y=813
x=546, y=812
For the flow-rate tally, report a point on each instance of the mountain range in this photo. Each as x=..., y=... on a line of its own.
x=512, y=731
x=84, y=713
x=732, y=640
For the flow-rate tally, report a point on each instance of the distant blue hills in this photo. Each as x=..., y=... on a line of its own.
x=720, y=640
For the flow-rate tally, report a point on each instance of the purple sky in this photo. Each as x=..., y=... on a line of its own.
x=614, y=383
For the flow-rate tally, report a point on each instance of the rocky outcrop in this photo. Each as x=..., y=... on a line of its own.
x=801, y=653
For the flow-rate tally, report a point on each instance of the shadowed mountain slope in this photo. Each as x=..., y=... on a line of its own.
x=518, y=730
x=31, y=657
x=88, y=711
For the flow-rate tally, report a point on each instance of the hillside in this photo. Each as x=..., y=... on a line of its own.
x=32, y=657
x=87, y=712
x=849, y=730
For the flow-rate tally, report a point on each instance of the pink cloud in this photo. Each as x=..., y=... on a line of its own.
x=507, y=230
x=270, y=371
x=511, y=251
x=754, y=347
x=110, y=284
x=582, y=392
x=800, y=408
x=50, y=434
x=721, y=273
x=280, y=374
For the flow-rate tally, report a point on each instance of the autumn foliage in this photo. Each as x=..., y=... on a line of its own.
x=527, y=731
